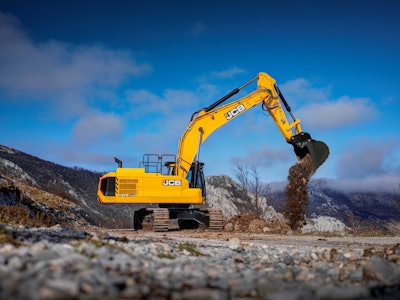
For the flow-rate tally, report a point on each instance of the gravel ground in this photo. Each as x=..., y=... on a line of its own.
x=61, y=263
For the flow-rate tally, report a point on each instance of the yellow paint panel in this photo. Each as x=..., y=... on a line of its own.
x=137, y=187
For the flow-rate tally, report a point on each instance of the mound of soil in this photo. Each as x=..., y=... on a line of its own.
x=247, y=222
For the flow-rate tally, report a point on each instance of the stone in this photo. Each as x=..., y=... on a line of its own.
x=382, y=270
x=341, y=292
x=235, y=244
x=200, y=294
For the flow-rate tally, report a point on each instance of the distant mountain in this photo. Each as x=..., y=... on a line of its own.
x=378, y=206
x=352, y=208
x=23, y=177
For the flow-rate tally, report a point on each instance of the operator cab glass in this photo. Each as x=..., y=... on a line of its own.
x=170, y=165
x=196, y=178
x=107, y=186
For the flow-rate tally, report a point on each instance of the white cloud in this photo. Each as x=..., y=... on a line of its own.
x=380, y=183
x=264, y=157
x=300, y=91
x=51, y=70
x=87, y=158
x=369, y=158
x=228, y=73
x=315, y=108
x=171, y=104
x=160, y=119
x=339, y=113
x=97, y=129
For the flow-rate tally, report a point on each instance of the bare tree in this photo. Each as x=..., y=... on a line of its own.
x=260, y=192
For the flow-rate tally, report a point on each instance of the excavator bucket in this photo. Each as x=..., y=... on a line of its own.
x=303, y=144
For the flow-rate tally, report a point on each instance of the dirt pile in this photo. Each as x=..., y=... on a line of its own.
x=248, y=222
x=296, y=192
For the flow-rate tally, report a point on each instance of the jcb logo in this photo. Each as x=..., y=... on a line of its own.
x=172, y=182
x=234, y=112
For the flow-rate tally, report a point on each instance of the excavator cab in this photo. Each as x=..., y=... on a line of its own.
x=195, y=175
x=303, y=144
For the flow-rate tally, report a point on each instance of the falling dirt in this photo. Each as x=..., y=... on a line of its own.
x=296, y=192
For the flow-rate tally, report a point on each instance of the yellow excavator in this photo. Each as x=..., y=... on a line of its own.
x=169, y=191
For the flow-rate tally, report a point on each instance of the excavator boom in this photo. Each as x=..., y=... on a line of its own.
x=204, y=122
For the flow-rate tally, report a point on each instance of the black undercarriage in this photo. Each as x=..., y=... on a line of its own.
x=176, y=217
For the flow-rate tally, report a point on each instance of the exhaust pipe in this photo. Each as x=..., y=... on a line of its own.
x=303, y=144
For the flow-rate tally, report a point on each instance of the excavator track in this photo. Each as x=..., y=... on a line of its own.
x=216, y=219
x=160, y=219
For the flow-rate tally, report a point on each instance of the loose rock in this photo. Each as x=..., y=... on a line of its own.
x=68, y=264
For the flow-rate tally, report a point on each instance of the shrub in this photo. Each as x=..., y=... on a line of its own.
x=19, y=215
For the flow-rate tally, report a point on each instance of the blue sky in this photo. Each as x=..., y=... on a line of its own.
x=84, y=81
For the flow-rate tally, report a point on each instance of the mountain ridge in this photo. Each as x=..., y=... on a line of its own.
x=79, y=186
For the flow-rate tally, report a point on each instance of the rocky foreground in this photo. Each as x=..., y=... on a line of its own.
x=61, y=263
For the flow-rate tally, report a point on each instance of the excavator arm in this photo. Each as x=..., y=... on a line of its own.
x=206, y=121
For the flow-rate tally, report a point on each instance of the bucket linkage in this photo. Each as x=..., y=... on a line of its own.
x=303, y=144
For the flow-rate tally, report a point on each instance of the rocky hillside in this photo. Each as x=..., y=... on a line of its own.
x=372, y=211
x=224, y=193
x=29, y=181
x=64, y=194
